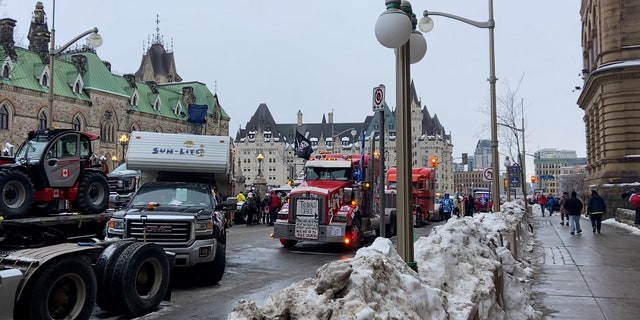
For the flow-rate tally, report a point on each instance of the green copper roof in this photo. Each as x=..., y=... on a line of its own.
x=28, y=68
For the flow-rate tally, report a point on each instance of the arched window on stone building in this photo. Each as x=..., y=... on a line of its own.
x=134, y=127
x=77, y=123
x=107, y=131
x=42, y=121
x=4, y=117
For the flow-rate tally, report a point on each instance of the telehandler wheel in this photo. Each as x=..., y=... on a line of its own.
x=141, y=278
x=16, y=193
x=93, y=194
x=104, y=272
x=44, y=208
x=213, y=271
x=64, y=289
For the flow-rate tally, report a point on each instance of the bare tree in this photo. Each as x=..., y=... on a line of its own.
x=511, y=128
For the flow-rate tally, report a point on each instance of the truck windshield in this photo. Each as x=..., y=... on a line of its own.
x=34, y=148
x=168, y=196
x=319, y=173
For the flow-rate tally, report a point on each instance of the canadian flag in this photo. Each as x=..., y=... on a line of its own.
x=64, y=173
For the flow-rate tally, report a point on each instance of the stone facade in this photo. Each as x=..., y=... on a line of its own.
x=610, y=97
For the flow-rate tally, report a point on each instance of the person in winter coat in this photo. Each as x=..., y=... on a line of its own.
x=447, y=207
x=551, y=202
x=274, y=206
x=542, y=201
x=595, y=209
x=574, y=208
x=470, y=206
x=563, y=210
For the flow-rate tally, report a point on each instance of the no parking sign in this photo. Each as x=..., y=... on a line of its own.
x=378, y=98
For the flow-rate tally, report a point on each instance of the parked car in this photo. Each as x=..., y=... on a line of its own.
x=123, y=183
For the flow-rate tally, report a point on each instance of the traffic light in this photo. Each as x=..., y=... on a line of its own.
x=434, y=162
x=534, y=179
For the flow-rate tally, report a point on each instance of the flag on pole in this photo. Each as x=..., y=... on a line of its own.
x=303, y=146
x=360, y=170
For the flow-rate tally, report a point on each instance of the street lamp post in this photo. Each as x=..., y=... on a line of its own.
x=425, y=25
x=260, y=182
x=507, y=164
x=94, y=40
x=124, y=141
x=395, y=28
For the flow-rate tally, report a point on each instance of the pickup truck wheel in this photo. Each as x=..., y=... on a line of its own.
x=16, y=193
x=93, y=194
x=214, y=270
x=288, y=243
x=64, y=289
x=104, y=272
x=141, y=278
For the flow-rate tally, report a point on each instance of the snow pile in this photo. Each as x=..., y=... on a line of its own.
x=462, y=269
x=464, y=259
x=375, y=284
x=632, y=229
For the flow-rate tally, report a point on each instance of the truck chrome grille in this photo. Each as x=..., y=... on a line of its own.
x=160, y=231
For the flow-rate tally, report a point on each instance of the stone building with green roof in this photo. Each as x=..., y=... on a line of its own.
x=89, y=97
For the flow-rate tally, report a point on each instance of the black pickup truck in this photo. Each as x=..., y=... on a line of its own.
x=123, y=183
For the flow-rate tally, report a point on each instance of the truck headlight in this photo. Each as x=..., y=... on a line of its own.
x=204, y=227
x=115, y=226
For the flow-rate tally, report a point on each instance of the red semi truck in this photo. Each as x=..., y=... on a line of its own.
x=334, y=203
x=423, y=181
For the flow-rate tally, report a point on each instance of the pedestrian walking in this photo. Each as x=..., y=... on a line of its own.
x=574, y=208
x=469, y=206
x=563, y=210
x=542, y=201
x=274, y=206
x=447, y=207
x=551, y=202
x=595, y=209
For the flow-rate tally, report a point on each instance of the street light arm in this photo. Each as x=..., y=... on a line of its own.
x=479, y=24
x=72, y=41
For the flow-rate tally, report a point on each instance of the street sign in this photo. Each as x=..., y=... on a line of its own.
x=515, y=176
x=378, y=98
x=487, y=174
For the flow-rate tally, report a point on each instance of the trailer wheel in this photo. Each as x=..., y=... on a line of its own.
x=141, y=278
x=391, y=228
x=93, y=194
x=104, y=272
x=355, y=235
x=64, y=289
x=17, y=193
x=288, y=243
x=214, y=270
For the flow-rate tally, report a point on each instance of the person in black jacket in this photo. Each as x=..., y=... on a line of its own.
x=595, y=209
x=574, y=208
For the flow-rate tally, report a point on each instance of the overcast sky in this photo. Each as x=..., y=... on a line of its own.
x=318, y=56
